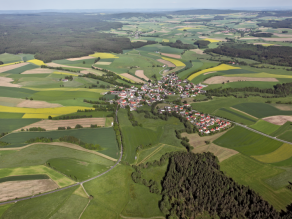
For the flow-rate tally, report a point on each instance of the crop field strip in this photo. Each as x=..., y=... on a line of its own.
x=244, y=113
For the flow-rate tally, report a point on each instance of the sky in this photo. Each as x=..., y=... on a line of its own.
x=136, y=4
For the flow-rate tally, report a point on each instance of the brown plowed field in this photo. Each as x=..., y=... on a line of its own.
x=10, y=67
x=81, y=58
x=6, y=82
x=38, y=71
x=131, y=77
x=198, y=51
x=169, y=64
x=221, y=79
x=54, y=124
x=17, y=189
x=140, y=73
x=278, y=120
x=52, y=64
x=37, y=104
x=171, y=55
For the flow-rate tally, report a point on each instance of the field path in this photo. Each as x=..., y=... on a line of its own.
x=244, y=113
x=151, y=154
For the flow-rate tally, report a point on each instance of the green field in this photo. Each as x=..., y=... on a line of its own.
x=39, y=154
x=247, y=142
x=287, y=126
x=22, y=69
x=118, y=195
x=15, y=92
x=105, y=137
x=24, y=177
x=9, y=58
x=261, y=110
x=152, y=132
x=59, y=178
x=45, y=206
x=287, y=136
x=8, y=125
x=186, y=73
x=265, y=127
x=235, y=116
x=254, y=174
x=11, y=116
x=78, y=169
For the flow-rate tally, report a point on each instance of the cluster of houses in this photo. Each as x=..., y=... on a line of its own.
x=206, y=124
x=151, y=92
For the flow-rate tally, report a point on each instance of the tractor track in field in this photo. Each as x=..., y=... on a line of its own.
x=67, y=187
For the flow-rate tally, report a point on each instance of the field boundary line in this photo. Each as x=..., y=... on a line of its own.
x=244, y=113
x=151, y=154
x=84, y=209
x=59, y=144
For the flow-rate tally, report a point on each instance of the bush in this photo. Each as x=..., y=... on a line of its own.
x=68, y=127
x=39, y=129
x=61, y=128
x=78, y=126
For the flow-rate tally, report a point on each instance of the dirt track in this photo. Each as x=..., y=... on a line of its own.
x=17, y=189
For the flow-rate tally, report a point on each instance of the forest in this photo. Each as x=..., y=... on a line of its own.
x=179, y=45
x=53, y=36
x=287, y=23
x=275, y=55
x=194, y=184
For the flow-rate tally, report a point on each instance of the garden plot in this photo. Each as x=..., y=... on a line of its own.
x=54, y=124
x=17, y=189
x=11, y=67
x=221, y=79
x=6, y=82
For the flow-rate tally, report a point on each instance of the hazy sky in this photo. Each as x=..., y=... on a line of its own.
x=131, y=4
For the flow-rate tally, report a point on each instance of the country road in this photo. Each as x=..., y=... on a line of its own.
x=76, y=184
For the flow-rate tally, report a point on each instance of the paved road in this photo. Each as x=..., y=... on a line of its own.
x=76, y=184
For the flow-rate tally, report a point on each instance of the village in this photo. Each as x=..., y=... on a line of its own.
x=170, y=85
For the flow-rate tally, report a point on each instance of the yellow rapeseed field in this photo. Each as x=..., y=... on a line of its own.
x=165, y=40
x=104, y=55
x=222, y=67
x=175, y=62
x=212, y=40
x=12, y=63
x=42, y=113
x=37, y=62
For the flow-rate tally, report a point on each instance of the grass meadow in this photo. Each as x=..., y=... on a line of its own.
x=265, y=127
